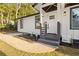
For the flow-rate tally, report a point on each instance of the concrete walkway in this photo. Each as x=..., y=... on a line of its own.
x=32, y=47
x=14, y=33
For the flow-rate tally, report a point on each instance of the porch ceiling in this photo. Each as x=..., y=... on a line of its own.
x=70, y=4
x=49, y=8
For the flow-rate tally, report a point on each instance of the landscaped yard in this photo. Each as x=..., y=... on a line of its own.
x=6, y=49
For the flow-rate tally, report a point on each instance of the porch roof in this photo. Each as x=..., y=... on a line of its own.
x=50, y=8
x=70, y=4
x=29, y=15
x=53, y=7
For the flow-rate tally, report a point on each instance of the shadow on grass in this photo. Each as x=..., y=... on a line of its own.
x=25, y=38
x=68, y=51
x=2, y=54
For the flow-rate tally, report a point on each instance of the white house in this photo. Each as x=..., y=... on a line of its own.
x=65, y=13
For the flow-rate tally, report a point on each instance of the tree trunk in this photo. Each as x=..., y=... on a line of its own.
x=2, y=18
x=17, y=9
x=7, y=19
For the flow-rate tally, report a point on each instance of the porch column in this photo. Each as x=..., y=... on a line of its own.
x=41, y=15
x=58, y=11
x=62, y=9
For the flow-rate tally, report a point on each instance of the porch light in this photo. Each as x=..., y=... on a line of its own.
x=64, y=13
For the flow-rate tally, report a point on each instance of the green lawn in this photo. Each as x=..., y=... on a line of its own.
x=8, y=50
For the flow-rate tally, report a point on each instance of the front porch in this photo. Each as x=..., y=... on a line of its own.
x=61, y=13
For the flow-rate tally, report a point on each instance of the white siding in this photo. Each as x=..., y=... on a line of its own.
x=66, y=33
x=28, y=25
x=52, y=28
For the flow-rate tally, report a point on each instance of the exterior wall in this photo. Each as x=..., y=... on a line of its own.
x=66, y=32
x=52, y=23
x=28, y=25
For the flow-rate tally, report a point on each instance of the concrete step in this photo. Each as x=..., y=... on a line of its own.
x=42, y=36
x=55, y=43
x=53, y=37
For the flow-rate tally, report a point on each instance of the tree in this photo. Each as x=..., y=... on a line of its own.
x=11, y=11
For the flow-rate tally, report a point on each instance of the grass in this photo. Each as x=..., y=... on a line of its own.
x=11, y=51
x=7, y=50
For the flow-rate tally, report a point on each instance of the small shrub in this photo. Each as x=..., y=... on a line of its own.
x=8, y=27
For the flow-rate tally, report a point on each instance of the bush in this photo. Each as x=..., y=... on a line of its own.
x=10, y=27
x=2, y=27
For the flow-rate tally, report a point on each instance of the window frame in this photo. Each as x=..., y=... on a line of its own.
x=21, y=23
x=71, y=21
x=37, y=20
x=52, y=17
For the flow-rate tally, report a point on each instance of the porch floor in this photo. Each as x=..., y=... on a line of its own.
x=27, y=46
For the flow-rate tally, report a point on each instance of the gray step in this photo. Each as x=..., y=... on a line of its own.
x=43, y=28
x=53, y=37
x=42, y=31
x=48, y=38
x=55, y=43
x=42, y=36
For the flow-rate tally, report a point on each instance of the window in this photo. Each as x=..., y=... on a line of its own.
x=52, y=17
x=37, y=22
x=21, y=23
x=74, y=18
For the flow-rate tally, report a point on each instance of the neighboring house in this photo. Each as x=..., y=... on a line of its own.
x=65, y=13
